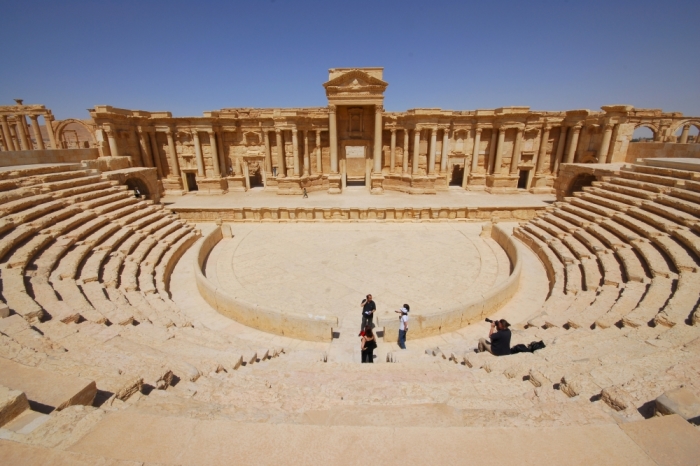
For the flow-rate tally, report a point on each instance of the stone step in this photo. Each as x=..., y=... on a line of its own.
x=46, y=390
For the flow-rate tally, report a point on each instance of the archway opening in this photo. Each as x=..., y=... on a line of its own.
x=139, y=187
x=74, y=135
x=642, y=134
x=580, y=182
x=692, y=134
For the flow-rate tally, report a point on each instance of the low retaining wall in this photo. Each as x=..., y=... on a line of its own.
x=483, y=305
x=32, y=157
x=647, y=150
x=304, y=327
x=320, y=214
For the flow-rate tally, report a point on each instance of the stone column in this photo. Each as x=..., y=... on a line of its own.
x=21, y=134
x=37, y=132
x=295, y=152
x=404, y=159
x=281, y=169
x=488, y=167
x=515, y=159
x=198, y=153
x=319, y=153
x=113, y=148
x=475, y=151
x=268, y=154
x=172, y=151
x=378, y=139
x=572, y=144
x=223, y=160
x=49, y=130
x=684, y=134
x=416, y=148
x=214, y=154
x=544, y=139
x=560, y=149
x=307, y=160
x=156, y=153
x=9, y=143
x=145, y=148
x=605, y=144
x=445, y=146
x=499, y=151
x=333, y=136
x=431, y=153
x=392, y=161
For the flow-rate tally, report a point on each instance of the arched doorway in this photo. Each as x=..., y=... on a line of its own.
x=74, y=134
x=643, y=133
x=691, y=134
x=139, y=187
x=580, y=182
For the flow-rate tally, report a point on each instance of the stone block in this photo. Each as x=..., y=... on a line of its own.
x=680, y=401
x=12, y=404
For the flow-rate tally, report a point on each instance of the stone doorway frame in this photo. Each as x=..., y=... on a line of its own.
x=343, y=160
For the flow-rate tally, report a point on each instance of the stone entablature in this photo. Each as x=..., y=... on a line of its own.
x=355, y=141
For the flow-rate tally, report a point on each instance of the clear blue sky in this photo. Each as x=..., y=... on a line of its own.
x=188, y=57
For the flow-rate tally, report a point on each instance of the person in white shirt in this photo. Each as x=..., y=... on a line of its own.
x=403, y=325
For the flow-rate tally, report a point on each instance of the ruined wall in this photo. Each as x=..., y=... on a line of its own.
x=644, y=150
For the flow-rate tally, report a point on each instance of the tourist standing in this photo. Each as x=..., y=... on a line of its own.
x=498, y=343
x=368, y=344
x=368, y=309
x=403, y=325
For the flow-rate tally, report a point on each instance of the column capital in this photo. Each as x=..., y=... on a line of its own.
x=478, y=129
x=393, y=130
x=210, y=131
x=169, y=131
x=294, y=130
x=433, y=130
x=48, y=117
x=378, y=109
x=331, y=108
x=577, y=127
x=278, y=131
x=318, y=131
x=546, y=127
x=33, y=117
x=502, y=129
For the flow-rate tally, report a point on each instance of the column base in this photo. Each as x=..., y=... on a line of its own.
x=542, y=184
x=289, y=185
x=173, y=186
x=502, y=184
x=376, y=183
x=334, y=183
x=476, y=182
x=236, y=183
x=422, y=184
x=211, y=186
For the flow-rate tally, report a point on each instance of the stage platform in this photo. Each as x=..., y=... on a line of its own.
x=356, y=204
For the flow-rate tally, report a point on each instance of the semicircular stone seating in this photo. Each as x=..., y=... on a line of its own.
x=85, y=269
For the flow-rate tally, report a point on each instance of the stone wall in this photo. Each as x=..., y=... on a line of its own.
x=646, y=150
x=305, y=327
x=484, y=304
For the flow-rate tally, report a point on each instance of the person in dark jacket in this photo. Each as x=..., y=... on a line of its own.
x=498, y=343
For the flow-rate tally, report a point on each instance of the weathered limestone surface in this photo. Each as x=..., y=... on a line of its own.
x=50, y=389
x=12, y=404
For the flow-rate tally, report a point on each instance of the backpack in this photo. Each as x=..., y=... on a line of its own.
x=531, y=348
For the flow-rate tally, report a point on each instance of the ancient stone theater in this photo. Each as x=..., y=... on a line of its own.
x=189, y=290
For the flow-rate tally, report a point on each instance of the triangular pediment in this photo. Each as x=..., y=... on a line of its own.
x=355, y=79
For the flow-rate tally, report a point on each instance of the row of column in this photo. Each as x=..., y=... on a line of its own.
x=305, y=167
x=16, y=136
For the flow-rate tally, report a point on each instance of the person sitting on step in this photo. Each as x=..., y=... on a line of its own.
x=499, y=339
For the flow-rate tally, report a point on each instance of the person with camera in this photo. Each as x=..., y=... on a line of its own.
x=368, y=309
x=403, y=325
x=498, y=343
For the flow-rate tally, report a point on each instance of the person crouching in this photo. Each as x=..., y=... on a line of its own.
x=498, y=343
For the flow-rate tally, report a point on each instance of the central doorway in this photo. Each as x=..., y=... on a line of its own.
x=355, y=165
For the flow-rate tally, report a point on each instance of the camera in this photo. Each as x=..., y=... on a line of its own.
x=489, y=320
